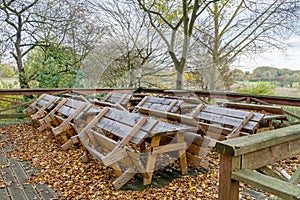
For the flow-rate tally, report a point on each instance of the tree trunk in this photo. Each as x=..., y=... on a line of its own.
x=179, y=79
x=18, y=56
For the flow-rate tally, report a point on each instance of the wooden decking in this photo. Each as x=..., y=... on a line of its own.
x=13, y=184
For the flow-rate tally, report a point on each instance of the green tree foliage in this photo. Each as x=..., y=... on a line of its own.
x=285, y=77
x=261, y=87
x=53, y=67
x=6, y=71
x=238, y=75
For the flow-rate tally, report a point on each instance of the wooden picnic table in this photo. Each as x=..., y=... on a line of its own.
x=146, y=134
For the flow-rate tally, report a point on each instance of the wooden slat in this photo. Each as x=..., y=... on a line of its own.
x=183, y=119
x=239, y=146
x=14, y=189
x=295, y=178
x=271, y=154
x=197, y=161
x=74, y=103
x=121, y=130
x=30, y=192
x=269, y=184
x=3, y=191
x=169, y=148
x=129, y=118
x=124, y=178
x=254, y=107
x=198, y=150
x=232, y=112
x=226, y=120
x=106, y=143
x=236, y=131
x=42, y=102
x=163, y=127
x=151, y=160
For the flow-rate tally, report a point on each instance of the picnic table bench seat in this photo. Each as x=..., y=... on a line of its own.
x=224, y=123
x=271, y=113
x=41, y=106
x=61, y=118
x=160, y=104
x=129, y=142
x=118, y=100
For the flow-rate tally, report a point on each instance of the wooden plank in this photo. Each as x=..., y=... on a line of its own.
x=121, y=130
x=3, y=191
x=171, y=116
x=114, y=156
x=271, y=154
x=107, y=96
x=141, y=103
x=129, y=118
x=124, y=99
x=64, y=110
x=295, y=177
x=42, y=189
x=236, y=131
x=193, y=137
x=124, y=178
x=269, y=172
x=225, y=120
x=105, y=142
x=182, y=154
x=73, y=103
x=197, y=161
x=197, y=150
x=156, y=100
x=239, y=146
x=228, y=188
x=159, y=107
x=29, y=191
x=132, y=133
x=151, y=160
x=169, y=148
x=45, y=192
x=14, y=188
x=232, y=112
x=163, y=128
x=135, y=158
x=197, y=110
x=254, y=107
x=269, y=184
x=41, y=103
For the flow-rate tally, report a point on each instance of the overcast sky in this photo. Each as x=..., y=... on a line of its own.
x=290, y=59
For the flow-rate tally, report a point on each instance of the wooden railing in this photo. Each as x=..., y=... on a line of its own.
x=237, y=97
x=245, y=159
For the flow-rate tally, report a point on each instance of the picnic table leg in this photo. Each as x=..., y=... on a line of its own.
x=151, y=161
x=182, y=155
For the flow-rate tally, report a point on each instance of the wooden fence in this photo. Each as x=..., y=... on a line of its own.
x=13, y=111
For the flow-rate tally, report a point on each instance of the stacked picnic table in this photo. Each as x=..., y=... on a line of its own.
x=131, y=141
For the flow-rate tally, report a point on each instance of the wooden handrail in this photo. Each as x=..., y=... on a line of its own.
x=240, y=156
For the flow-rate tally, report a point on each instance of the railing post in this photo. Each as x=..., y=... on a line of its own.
x=228, y=188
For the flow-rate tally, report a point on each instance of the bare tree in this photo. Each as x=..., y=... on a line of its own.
x=37, y=23
x=174, y=21
x=231, y=28
x=17, y=17
x=129, y=45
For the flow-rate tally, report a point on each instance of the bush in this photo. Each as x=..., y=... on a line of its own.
x=261, y=87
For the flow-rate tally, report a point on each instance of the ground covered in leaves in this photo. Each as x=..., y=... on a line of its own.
x=72, y=179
